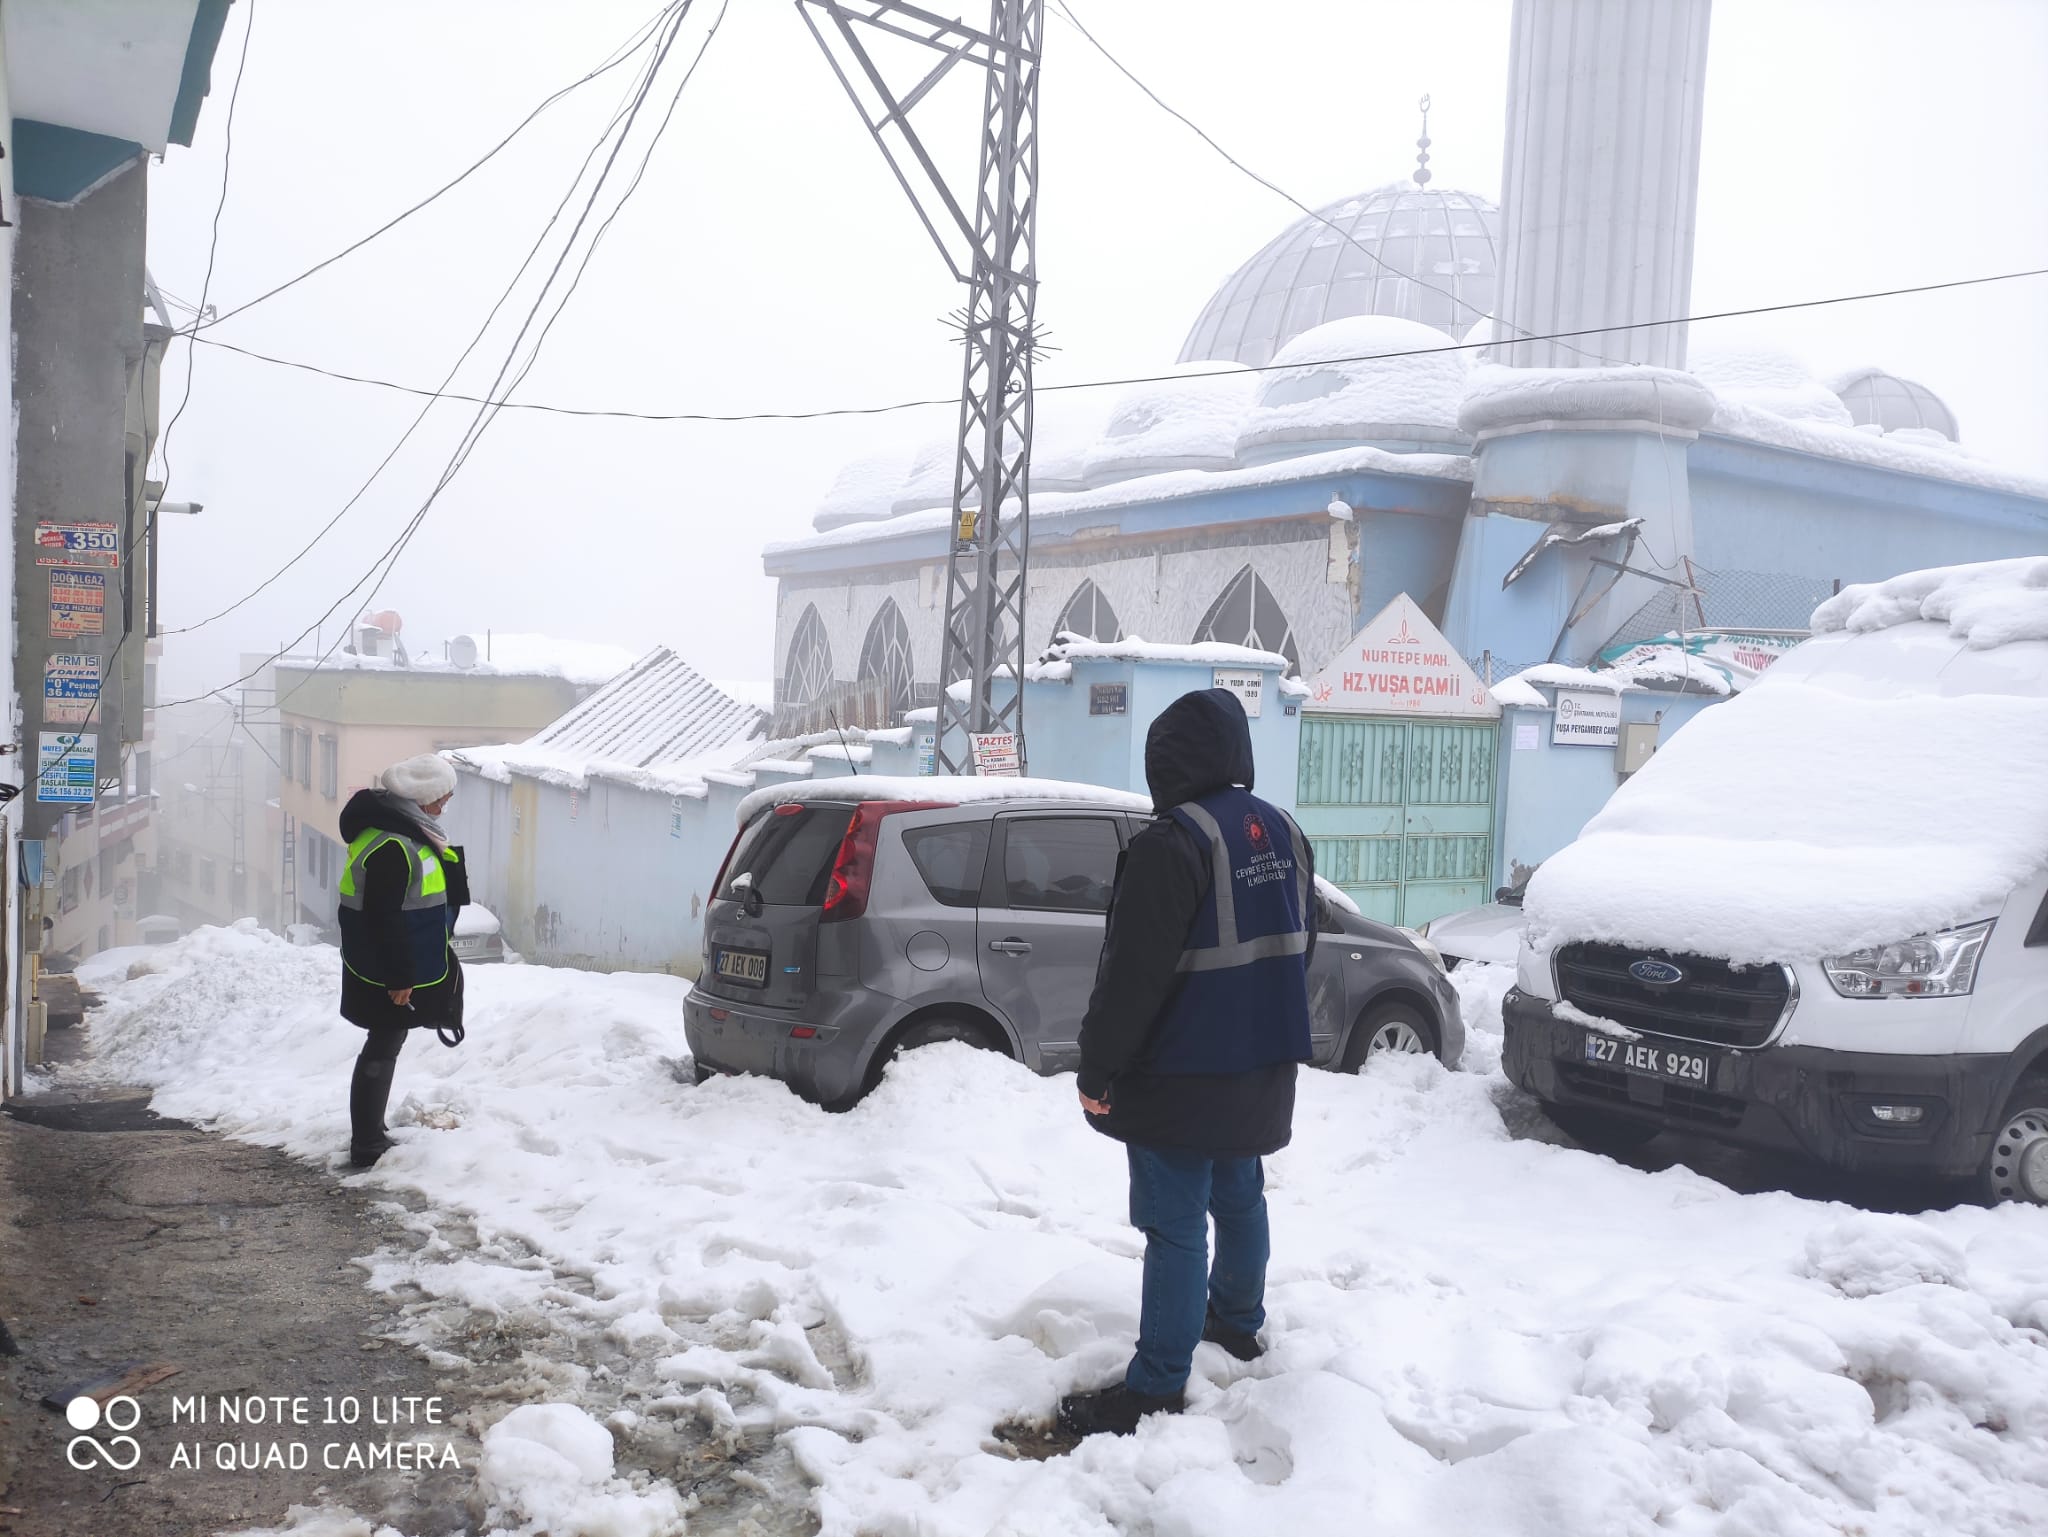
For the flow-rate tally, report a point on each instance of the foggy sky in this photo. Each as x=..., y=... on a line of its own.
x=770, y=262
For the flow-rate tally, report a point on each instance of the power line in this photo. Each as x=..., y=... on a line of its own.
x=618, y=56
x=491, y=406
x=433, y=397
x=1114, y=383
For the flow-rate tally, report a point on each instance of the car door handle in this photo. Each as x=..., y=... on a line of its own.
x=1010, y=946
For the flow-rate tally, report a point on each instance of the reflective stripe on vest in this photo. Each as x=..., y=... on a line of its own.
x=424, y=906
x=1229, y=950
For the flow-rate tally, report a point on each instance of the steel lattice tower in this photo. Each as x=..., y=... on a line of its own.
x=991, y=249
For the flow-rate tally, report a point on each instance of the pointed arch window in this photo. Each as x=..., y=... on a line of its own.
x=808, y=672
x=1088, y=615
x=1247, y=614
x=885, y=657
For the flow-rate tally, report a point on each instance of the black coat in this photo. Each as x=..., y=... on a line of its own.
x=435, y=1005
x=1200, y=743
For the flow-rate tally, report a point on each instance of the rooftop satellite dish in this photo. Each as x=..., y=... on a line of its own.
x=462, y=651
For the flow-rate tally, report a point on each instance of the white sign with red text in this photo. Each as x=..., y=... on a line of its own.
x=1400, y=664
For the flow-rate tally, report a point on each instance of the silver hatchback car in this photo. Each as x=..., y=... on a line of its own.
x=844, y=930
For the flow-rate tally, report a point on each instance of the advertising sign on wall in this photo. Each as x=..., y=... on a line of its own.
x=97, y=545
x=78, y=602
x=927, y=753
x=995, y=754
x=71, y=688
x=66, y=765
x=1400, y=664
x=1586, y=718
x=1108, y=698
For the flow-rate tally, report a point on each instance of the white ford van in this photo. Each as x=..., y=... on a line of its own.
x=1817, y=921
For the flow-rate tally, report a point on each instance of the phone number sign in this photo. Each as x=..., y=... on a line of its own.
x=79, y=544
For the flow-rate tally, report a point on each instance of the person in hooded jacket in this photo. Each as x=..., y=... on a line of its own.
x=1198, y=1020
x=401, y=889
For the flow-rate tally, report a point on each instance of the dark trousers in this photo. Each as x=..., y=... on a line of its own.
x=370, y=1089
x=1173, y=1197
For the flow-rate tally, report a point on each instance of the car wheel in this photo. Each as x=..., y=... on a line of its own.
x=2016, y=1169
x=1392, y=1027
x=1596, y=1130
x=929, y=1032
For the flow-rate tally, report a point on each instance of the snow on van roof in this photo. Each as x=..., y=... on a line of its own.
x=1878, y=782
x=946, y=789
x=1984, y=605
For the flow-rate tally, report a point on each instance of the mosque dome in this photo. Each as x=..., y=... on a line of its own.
x=1412, y=253
x=1884, y=400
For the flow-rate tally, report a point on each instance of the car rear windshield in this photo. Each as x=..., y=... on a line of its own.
x=785, y=855
x=950, y=857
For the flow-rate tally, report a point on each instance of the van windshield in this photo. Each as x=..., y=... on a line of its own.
x=784, y=858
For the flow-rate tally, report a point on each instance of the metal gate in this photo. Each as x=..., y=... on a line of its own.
x=1400, y=811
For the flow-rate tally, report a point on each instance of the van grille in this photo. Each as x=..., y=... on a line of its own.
x=1696, y=1107
x=1715, y=1003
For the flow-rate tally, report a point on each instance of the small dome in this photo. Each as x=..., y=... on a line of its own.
x=1064, y=428
x=864, y=491
x=1408, y=400
x=1401, y=238
x=1189, y=422
x=1767, y=380
x=1889, y=403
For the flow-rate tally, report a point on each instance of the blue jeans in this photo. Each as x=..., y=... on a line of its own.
x=1173, y=1196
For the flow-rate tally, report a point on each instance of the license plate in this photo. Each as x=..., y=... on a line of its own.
x=748, y=966
x=1669, y=1064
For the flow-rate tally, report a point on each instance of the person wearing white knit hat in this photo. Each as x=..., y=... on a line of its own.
x=401, y=889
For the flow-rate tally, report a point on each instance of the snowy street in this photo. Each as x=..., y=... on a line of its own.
x=1472, y=1329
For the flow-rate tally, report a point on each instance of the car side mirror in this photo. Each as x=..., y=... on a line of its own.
x=1504, y=894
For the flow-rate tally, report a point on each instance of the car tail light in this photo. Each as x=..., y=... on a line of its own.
x=853, y=869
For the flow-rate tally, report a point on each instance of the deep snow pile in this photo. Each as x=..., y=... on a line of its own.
x=1469, y=1333
x=1358, y=379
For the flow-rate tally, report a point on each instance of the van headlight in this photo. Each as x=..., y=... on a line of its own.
x=1940, y=965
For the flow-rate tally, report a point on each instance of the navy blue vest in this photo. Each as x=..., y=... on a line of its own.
x=1242, y=1002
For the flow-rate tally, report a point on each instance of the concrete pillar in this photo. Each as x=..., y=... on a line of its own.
x=1601, y=178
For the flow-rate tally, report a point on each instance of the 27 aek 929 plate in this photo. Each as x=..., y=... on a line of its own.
x=1667, y=1063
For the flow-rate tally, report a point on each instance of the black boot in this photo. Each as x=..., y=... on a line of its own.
x=368, y=1092
x=1245, y=1347
x=1114, y=1410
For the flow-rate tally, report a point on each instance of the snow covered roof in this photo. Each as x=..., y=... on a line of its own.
x=1049, y=508
x=661, y=711
x=1880, y=781
x=1187, y=422
x=510, y=655
x=941, y=789
x=1769, y=381
x=1360, y=395
x=1135, y=648
x=864, y=490
x=658, y=715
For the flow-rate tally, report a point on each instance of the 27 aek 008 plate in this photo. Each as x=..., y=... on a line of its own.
x=749, y=966
x=1668, y=1064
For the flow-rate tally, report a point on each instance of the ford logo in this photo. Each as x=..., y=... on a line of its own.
x=1655, y=972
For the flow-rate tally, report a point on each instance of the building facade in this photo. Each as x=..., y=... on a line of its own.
x=87, y=94
x=341, y=722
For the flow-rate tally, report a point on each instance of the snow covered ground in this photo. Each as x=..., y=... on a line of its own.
x=1471, y=1332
